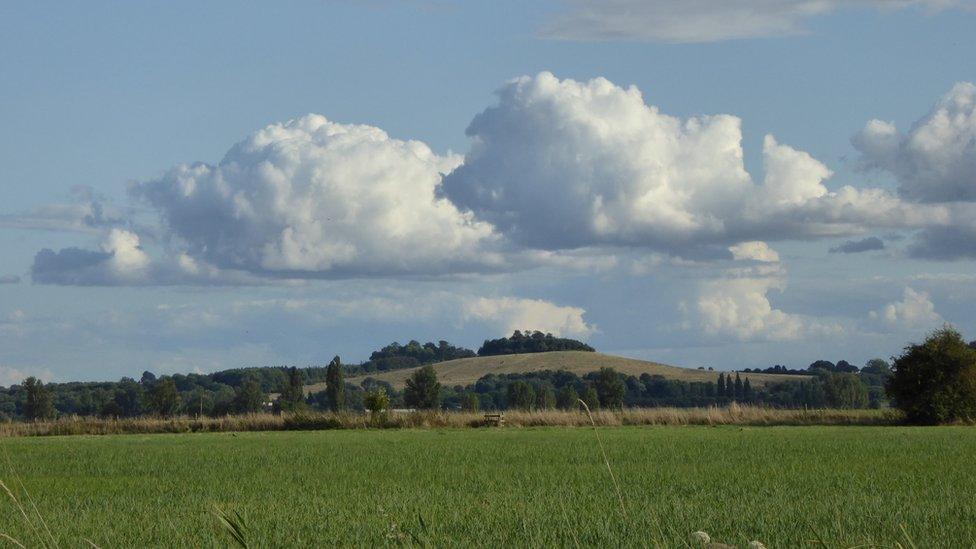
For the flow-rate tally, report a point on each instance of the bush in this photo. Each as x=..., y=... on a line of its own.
x=935, y=382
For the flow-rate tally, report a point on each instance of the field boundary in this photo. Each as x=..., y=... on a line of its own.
x=728, y=415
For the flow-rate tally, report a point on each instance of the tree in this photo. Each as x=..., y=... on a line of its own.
x=591, y=398
x=609, y=388
x=292, y=397
x=335, y=386
x=470, y=402
x=747, y=391
x=423, y=391
x=721, y=384
x=567, y=398
x=128, y=397
x=935, y=381
x=163, y=399
x=877, y=366
x=40, y=403
x=545, y=398
x=376, y=401
x=249, y=398
x=521, y=396
x=737, y=388
x=845, y=390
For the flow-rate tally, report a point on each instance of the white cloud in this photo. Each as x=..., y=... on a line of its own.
x=706, y=20
x=739, y=308
x=566, y=164
x=312, y=197
x=87, y=212
x=755, y=250
x=509, y=314
x=936, y=160
x=914, y=312
x=15, y=376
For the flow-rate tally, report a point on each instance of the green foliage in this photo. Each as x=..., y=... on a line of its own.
x=610, y=388
x=545, y=397
x=163, y=399
x=935, y=381
x=335, y=387
x=568, y=398
x=39, y=404
x=376, y=401
x=521, y=396
x=292, y=396
x=249, y=398
x=591, y=398
x=845, y=390
x=422, y=390
x=470, y=402
x=534, y=342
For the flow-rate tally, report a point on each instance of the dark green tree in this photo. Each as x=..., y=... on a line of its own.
x=128, y=398
x=40, y=403
x=567, y=398
x=609, y=388
x=935, y=381
x=546, y=397
x=470, y=402
x=422, y=390
x=335, y=387
x=249, y=398
x=721, y=384
x=292, y=397
x=737, y=389
x=845, y=390
x=591, y=398
x=521, y=395
x=163, y=399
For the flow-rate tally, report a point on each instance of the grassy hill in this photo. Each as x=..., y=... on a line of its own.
x=468, y=370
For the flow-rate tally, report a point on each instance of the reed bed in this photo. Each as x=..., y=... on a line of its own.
x=729, y=415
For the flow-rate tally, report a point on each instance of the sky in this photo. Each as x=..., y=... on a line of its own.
x=188, y=187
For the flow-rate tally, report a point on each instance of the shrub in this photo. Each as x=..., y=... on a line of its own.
x=935, y=381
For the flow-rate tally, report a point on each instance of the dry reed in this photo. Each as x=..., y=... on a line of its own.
x=730, y=415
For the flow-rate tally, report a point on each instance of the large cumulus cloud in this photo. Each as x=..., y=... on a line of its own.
x=565, y=164
x=312, y=196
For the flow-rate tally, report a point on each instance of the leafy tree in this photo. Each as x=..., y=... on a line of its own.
x=845, y=390
x=423, y=391
x=877, y=366
x=609, y=388
x=470, y=402
x=591, y=398
x=39, y=404
x=129, y=397
x=376, y=401
x=546, y=397
x=249, y=398
x=530, y=342
x=567, y=398
x=935, y=381
x=292, y=397
x=335, y=387
x=721, y=384
x=737, y=389
x=521, y=395
x=163, y=399
x=148, y=378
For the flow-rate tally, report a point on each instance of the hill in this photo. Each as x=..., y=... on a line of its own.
x=468, y=370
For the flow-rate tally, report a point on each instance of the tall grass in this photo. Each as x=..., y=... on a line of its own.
x=730, y=415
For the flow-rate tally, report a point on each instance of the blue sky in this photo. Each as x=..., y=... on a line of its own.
x=102, y=102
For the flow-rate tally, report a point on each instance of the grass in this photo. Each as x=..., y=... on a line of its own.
x=309, y=421
x=785, y=486
x=466, y=371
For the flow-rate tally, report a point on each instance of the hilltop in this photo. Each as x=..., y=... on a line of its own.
x=466, y=371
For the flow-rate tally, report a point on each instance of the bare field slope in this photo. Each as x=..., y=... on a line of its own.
x=468, y=370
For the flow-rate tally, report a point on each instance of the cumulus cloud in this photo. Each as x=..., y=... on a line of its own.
x=755, y=250
x=509, y=314
x=565, y=164
x=868, y=244
x=312, y=197
x=15, y=376
x=936, y=160
x=739, y=308
x=914, y=312
x=9, y=279
x=706, y=20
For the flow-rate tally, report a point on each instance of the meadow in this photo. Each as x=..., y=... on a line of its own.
x=833, y=486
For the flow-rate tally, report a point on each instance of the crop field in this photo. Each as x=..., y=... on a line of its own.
x=839, y=486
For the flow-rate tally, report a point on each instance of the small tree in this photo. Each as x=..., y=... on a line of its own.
x=376, y=401
x=545, y=397
x=935, y=381
x=845, y=390
x=470, y=402
x=591, y=398
x=335, y=386
x=610, y=388
x=163, y=399
x=567, y=398
x=40, y=403
x=292, y=397
x=423, y=391
x=249, y=398
x=521, y=395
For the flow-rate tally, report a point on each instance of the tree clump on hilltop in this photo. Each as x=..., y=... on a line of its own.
x=534, y=342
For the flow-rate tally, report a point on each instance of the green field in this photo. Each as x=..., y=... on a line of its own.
x=514, y=486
